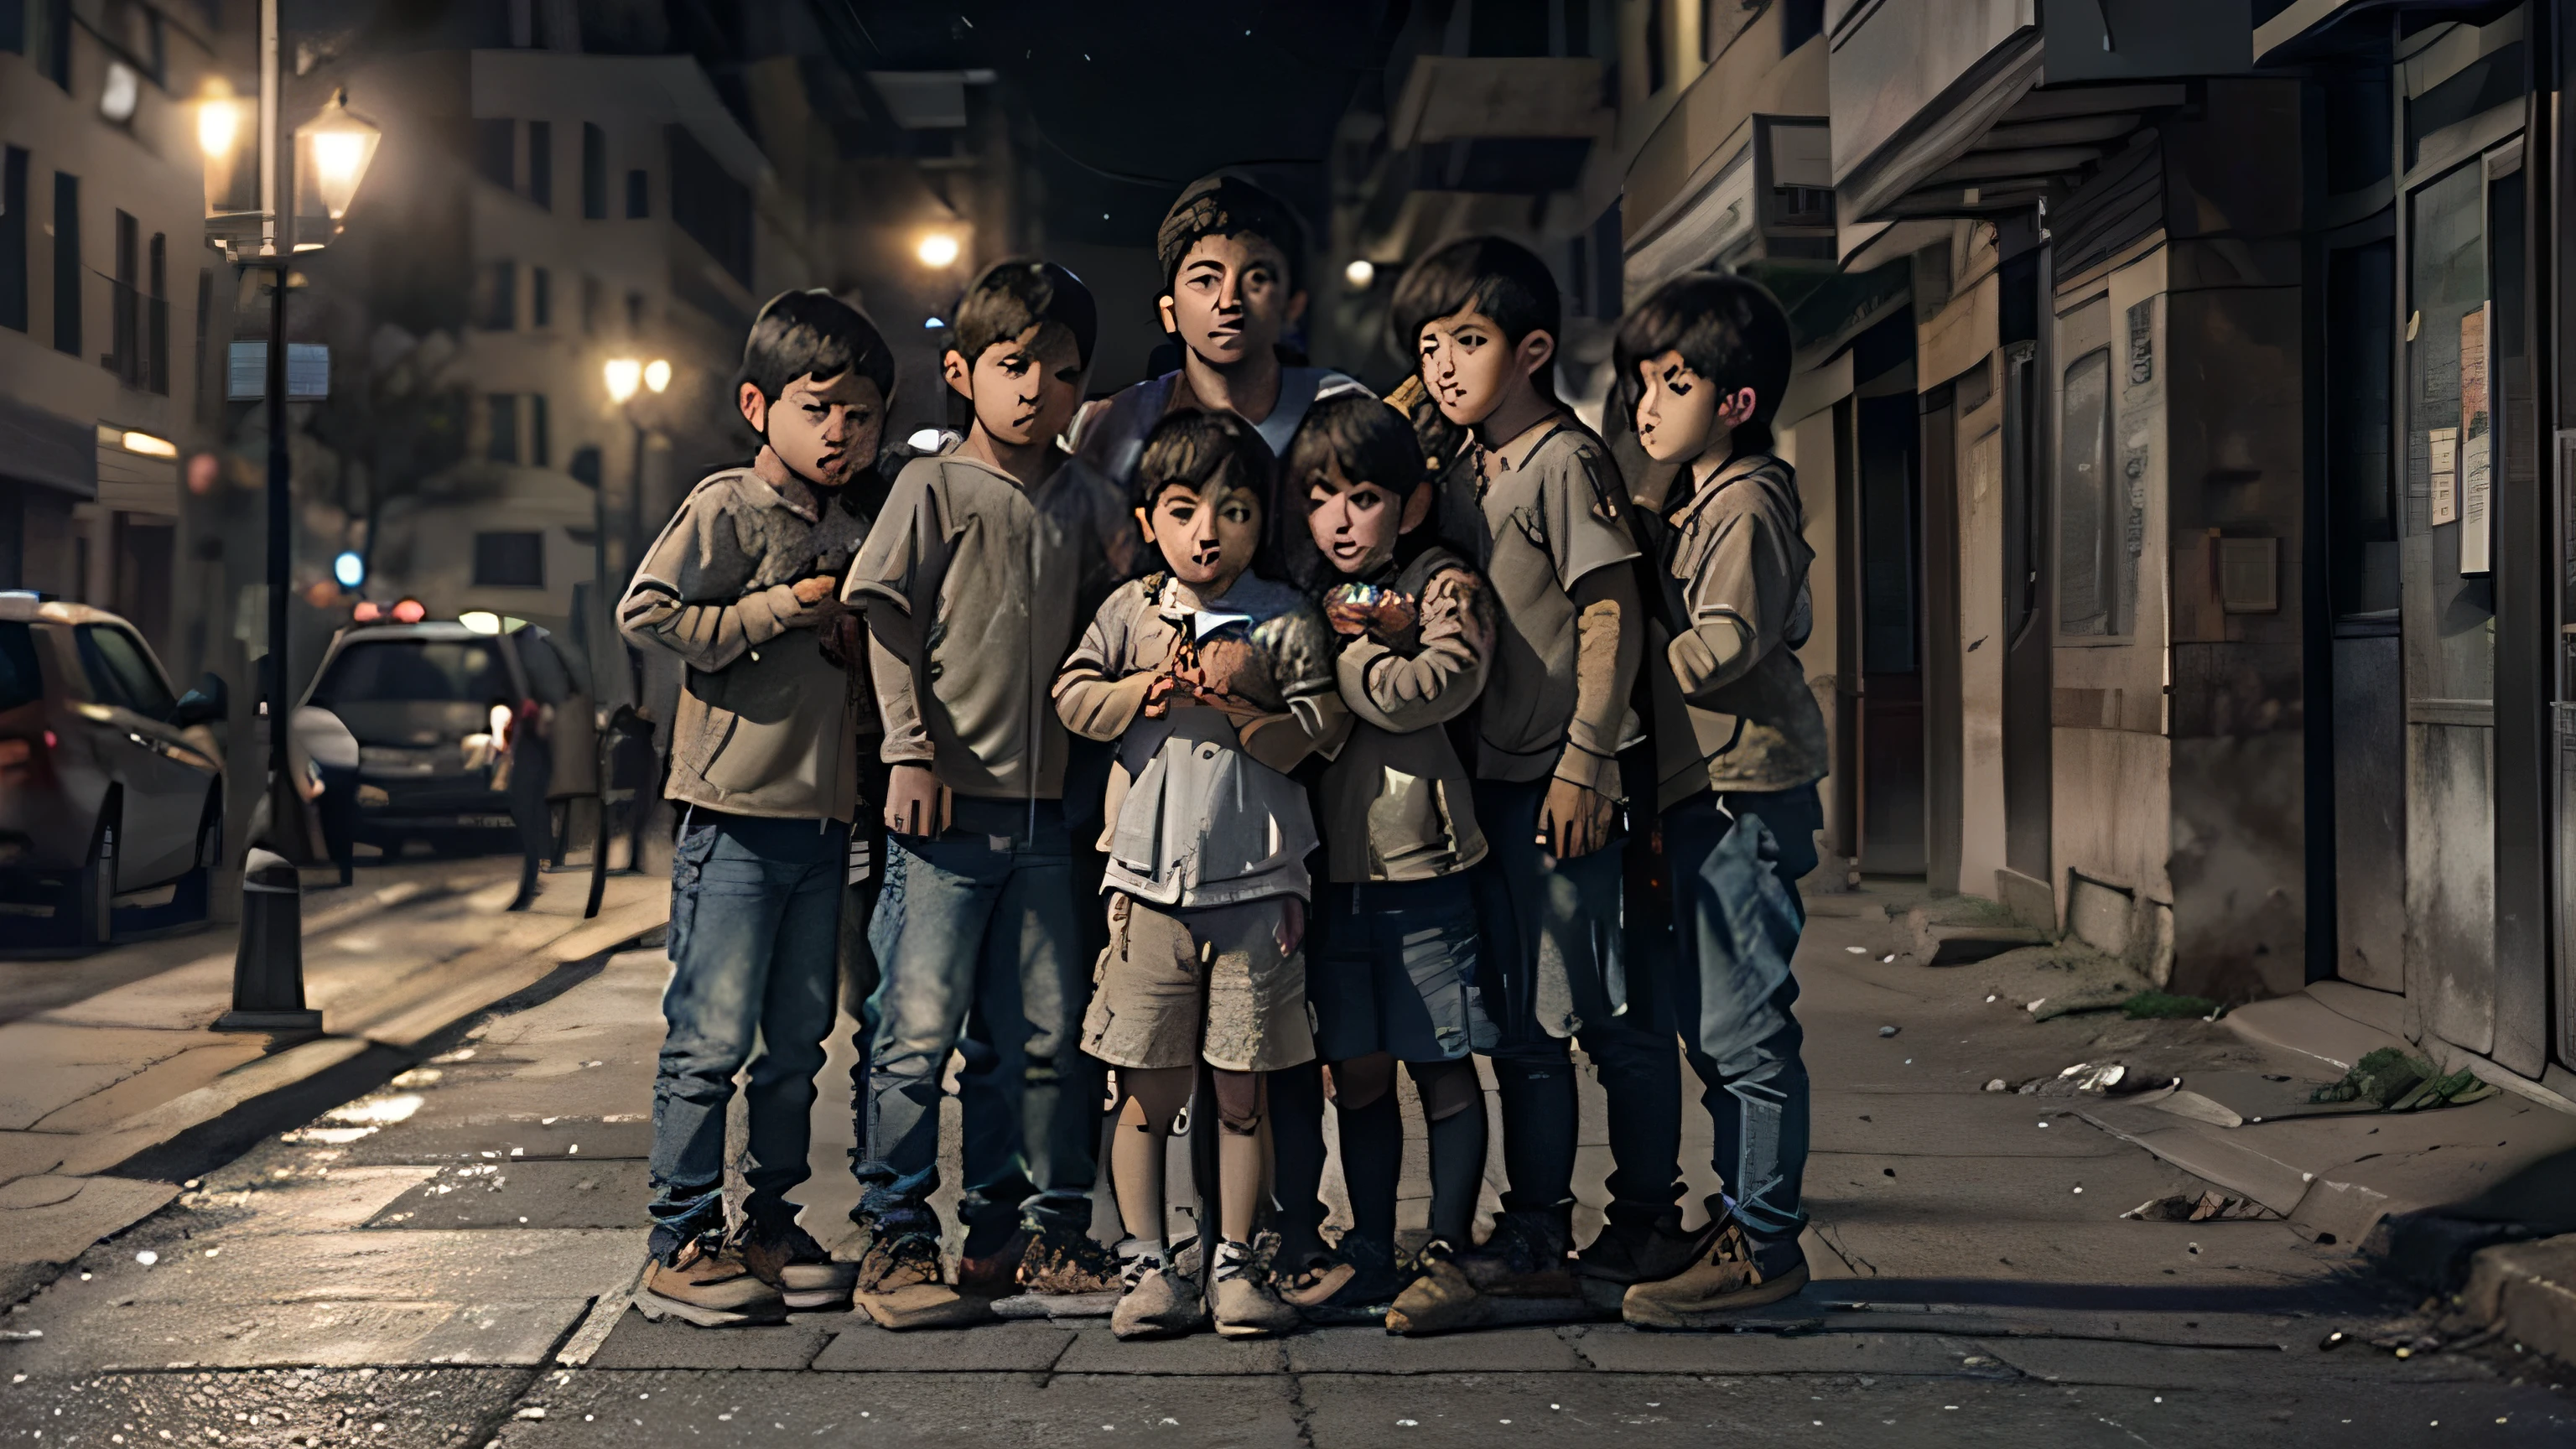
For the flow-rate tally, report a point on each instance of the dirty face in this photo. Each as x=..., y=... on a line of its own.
x=1471, y=369
x=1207, y=537
x=822, y=431
x=1026, y=389
x=1231, y=299
x=1677, y=410
x=1355, y=525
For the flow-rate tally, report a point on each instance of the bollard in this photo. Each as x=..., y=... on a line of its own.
x=268, y=965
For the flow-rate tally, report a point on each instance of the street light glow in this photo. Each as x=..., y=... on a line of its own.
x=218, y=126
x=1360, y=273
x=349, y=569
x=937, y=249
x=657, y=375
x=148, y=445
x=334, y=149
x=622, y=375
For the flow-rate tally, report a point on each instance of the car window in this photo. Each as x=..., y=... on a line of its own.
x=450, y=671
x=121, y=671
x=20, y=683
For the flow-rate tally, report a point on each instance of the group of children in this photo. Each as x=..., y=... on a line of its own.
x=1102, y=688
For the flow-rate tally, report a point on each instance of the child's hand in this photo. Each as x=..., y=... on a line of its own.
x=1356, y=609
x=1573, y=820
x=916, y=803
x=1168, y=692
x=814, y=590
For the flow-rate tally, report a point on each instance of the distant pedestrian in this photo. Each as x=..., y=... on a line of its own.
x=743, y=585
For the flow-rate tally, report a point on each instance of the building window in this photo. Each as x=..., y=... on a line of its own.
x=509, y=560
x=2097, y=552
x=496, y=296
x=41, y=30
x=67, y=264
x=541, y=300
x=638, y=195
x=13, y=239
x=541, y=163
x=540, y=450
x=1656, y=67
x=709, y=204
x=594, y=173
x=1800, y=22
x=124, y=314
x=593, y=297
x=156, y=317
x=502, y=409
x=495, y=142
x=205, y=324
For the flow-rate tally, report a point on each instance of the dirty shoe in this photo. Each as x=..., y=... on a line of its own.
x=995, y=1274
x=900, y=1286
x=1731, y=1274
x=1245, y=1305
x=706, y=1283
x=1065, y=1262
x=789, y=1260
x=1521, y=1274
x=1357, y=1285
x=1158, y=1303
x=1634, y=1250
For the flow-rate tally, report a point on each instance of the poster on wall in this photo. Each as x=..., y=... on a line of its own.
x=2476, y=533
x=2445, y=450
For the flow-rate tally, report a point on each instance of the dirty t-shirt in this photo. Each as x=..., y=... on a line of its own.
x=1534, y=517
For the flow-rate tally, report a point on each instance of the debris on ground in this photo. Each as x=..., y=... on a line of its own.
x=2399, y=1082
x=2095, y=1079
x=1998, y=1084
x=2165, y=1006
x=2212, y=1206
x=1887, y=1031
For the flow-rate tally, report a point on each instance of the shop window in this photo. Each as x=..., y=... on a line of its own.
x=2100, y=526
x=2450, y=464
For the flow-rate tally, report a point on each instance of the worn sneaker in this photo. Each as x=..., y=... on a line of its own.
x=706, y=1283
x=1158, y=1302
x=900, y=1286
x=1245, y=1305
x=995, y=1274
x=1357, y=1286
x=1067, y=1262
x=1732, y=1273
x=790, y=1261
x=1641, y=1250
x=1521, y=1274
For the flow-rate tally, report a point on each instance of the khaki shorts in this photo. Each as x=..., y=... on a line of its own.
x=1178, y=985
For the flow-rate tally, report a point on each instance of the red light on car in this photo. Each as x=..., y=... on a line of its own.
x=368, y=611
x=50, y=741
x=410, y=611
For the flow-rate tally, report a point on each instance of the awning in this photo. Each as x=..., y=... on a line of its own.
x=48, y=451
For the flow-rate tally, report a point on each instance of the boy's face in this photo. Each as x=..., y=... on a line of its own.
x=1025, y=390
x=1471, y=369
x=1677, y=410
x=1207, y=538
x=822, y=431
x=1231, y=299
x=1356, y=524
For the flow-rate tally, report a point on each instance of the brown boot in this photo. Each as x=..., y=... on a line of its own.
x=1732, y=1274
x=789, y=1260
x=707, y=1284
x=995, y=1274
x=901, y=1286
x=1521, y=1274
x=1075, y=1274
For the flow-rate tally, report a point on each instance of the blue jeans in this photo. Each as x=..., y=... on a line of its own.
x=980, y=921
x=1735, y=861
x=1547, y=920
x=755, y=917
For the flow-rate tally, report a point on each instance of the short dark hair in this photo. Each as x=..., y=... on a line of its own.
x=1222, y=205
x=1368, y=440
x=1191, y=448
x=1729, y=329
x=1501, y=279
x=1013, y=296
x=813, y=334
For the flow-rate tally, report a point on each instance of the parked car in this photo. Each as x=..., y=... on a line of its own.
x=111, y=782
x=427, y=703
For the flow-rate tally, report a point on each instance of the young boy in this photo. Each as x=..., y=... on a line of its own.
x=972, y=579
x=1740, y=744
x=1393, y=976
x=1535, y=506
x=742, y=586
x=1213, y=681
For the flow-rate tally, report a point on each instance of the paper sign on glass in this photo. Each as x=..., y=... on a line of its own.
x=2445, y=447
x=2477, y=447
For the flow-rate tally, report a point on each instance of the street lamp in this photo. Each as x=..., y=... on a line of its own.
x=937, y=249
x=622, y=375
x=328, y=156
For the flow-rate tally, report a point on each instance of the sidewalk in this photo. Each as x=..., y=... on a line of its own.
x=112, y=1099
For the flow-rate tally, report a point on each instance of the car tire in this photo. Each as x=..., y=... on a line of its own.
x=193, y=895
x=93, y=896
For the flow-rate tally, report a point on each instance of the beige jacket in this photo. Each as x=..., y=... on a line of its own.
x=1398, y=805
x=974, y=587
x=766, y=725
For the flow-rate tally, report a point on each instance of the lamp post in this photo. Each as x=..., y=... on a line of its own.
x=314, y=181
x=622, y=375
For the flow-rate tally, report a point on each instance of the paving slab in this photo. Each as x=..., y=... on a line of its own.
x=2075, y=1361
x=168, y=1078
x=637, y=1342
x=1366, y=1350
x=1023, y=1346
x=64, y=1215
x=270, y=1335
x=23, y=1154
x=1617, y=1349
x=51, y=1068
x=342, y=1267
x=2076, y=1254
x=417, y=1408
x=1851, y=1187
x=1934, y=1124
x=718, y=1411
x=1095, y=1350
